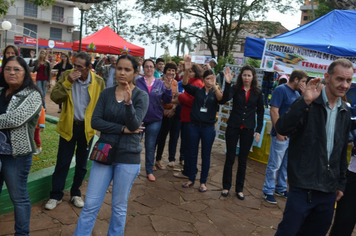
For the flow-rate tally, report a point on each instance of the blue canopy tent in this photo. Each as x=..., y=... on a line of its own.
x=254, y=47
x=332, y=33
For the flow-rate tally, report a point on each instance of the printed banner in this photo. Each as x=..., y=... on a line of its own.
x=286, y=58
x=42, y=43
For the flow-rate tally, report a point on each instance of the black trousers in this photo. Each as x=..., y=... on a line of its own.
x=232, y=135
x=303, y=217
x=169, y=125
x=64, y=158
x=345, y=216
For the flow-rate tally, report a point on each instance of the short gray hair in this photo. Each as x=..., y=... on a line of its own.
x=343, y=62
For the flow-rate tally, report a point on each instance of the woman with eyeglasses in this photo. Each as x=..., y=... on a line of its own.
x=43, y=68
x=61, y=67
x=158, y=91
x=20, y=106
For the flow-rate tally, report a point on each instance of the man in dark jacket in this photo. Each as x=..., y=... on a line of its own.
x=318, y=124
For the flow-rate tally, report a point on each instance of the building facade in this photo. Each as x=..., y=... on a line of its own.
x=202, y=49
x=54, y=23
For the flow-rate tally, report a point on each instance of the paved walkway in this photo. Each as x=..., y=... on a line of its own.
x=165, y=208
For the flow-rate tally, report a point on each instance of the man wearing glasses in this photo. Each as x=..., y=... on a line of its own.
x=78, y=89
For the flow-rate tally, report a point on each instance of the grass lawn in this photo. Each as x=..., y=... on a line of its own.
x=48, y=156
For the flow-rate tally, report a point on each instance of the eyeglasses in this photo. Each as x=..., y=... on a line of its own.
x=78, y=66
x=149, y=67
x=15, y=69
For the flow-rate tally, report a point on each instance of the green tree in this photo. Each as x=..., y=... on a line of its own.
x=112, y=13
x=216, y=23
x=5, y=4
x=253, y=62
x=177, y=59
x=185, y=42
x=324, y=7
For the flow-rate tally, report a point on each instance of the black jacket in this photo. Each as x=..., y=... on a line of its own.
x=244, y=113
x=308, y=165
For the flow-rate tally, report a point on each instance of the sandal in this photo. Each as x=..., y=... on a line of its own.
x=159, y=166
x=187, y=184
x=203, y=188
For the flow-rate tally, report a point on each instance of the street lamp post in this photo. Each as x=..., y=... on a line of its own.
x=82, y=7
x=6, y=25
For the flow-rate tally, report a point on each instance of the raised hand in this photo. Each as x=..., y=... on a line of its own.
x=188, y=63
x=312, y=90
x=227, y=75
x=127, y=93
x=168, y=83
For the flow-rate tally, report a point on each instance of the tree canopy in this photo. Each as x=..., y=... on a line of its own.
x=113, y=14
x=216, y=23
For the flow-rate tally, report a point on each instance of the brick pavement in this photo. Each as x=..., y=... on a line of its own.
x=165, y=208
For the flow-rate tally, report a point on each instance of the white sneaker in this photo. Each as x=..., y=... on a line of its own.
x=38, y=151
x=77, y=201
x=52, y=203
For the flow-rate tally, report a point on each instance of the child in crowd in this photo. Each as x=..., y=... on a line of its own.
x=39, y=128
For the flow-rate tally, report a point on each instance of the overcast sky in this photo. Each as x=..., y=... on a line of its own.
x=288, y=20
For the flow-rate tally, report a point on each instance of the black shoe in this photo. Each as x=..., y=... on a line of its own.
x=224, y=194
x=240, y=195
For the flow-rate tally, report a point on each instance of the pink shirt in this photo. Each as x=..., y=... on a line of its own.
x=149, y=86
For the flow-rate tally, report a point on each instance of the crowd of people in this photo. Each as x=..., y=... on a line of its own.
x=127, y=99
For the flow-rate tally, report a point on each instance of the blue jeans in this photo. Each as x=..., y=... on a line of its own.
x=278, y=159
x=207, y=137
x=151, y=133
x=64, y=158
x=123, y=177
x=42, y=85
x=14, y=171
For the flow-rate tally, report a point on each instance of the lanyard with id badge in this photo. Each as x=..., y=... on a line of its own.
x=204, y=109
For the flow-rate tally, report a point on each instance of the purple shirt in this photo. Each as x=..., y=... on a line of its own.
x=158, y=94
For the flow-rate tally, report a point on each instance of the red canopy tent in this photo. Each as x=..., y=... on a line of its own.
x=107, y=41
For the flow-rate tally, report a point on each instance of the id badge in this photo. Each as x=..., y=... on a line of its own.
x=204, y=109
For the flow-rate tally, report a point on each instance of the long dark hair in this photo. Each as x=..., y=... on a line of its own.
x=130, y=58
x=4, y=54
x=27, y=81
x=239, y=83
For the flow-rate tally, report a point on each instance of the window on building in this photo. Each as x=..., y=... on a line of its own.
x=57, y=13
x=305, y=18
x=27, y=29
x=55, y=34
x=30, y=9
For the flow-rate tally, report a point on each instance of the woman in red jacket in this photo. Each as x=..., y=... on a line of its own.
x=195, y=75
